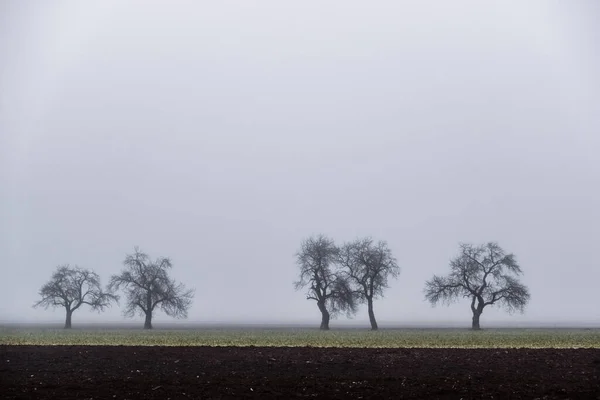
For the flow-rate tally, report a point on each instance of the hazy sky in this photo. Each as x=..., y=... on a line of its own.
x=221, y=134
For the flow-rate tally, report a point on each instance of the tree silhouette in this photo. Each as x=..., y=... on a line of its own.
x=147, y=286
x=72, y=287
x=327, y=286
x=486, y=275
x=369, y=265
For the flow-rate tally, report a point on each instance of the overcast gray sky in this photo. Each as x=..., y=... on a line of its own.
x=221, y=134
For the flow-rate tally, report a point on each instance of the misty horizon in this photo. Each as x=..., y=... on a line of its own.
x=222, y=136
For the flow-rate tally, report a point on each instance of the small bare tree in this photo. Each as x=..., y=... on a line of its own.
x=369, y=265
x=72, y=287
x=331, y=290
x=486, y=275
x=147, y=286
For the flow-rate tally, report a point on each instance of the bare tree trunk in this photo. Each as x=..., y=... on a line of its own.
x=148, y=322
x=324, y=316
x=476, y=311
x=324, y=320
x=475, y=326
x=374, y=326
x=68, y=319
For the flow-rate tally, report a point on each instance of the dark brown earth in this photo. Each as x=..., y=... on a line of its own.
x=98, y=372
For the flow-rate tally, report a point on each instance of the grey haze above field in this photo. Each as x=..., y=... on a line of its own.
x=221, y=135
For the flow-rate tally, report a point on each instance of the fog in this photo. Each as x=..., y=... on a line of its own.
x=221, y=134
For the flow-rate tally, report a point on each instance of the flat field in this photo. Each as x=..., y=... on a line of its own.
x=303, y=336
x=244, y=362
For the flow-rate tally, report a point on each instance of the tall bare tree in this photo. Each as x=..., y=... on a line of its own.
x=369, y=265
x=486, y=275
x=72, y=287
x=331, y=289
x=147, y=285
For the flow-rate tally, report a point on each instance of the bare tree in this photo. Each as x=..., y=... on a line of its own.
x=369, y=265
x=72, y=287
x=147, y=286
x=331, y=290
x=486, y=275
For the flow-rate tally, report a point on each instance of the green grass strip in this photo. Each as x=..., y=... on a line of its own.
x=385, y=338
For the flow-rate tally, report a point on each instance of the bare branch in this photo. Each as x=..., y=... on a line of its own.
x=369, y=265
x=332, y=291
x=444, y=289
x=147, y=286
x=486, y=275
x=71, y=287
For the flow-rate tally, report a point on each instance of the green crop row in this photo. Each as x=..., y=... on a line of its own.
x=392, y=338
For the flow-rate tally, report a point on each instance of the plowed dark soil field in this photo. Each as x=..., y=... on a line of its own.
x=118, y=372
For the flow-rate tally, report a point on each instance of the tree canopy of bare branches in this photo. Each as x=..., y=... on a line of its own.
x=72, y=287
x=486, y=275
x=369, y=265
x=317, y=260
x=147, y=285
